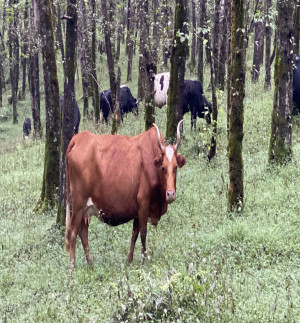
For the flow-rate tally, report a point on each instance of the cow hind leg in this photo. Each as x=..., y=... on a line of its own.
x=83, y=233
x=135, y=233
x=73, y=232
x=143, y=233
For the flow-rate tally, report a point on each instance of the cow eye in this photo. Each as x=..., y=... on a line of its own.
x=164, y=169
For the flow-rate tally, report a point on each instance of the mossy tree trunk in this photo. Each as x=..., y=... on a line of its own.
x=236, y=115
x=93, y=66
x=69, y=103
x=216, y=38
x=130, y=38
x=280, y=148
x=220, y=82
x=24, y=55
x=193, y=45
x=228, y=15
x=52, y=104
x=178, y=57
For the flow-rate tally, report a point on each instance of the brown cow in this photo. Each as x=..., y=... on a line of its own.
x=118, y=179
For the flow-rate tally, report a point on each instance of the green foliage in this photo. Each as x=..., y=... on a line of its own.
x=203, y=265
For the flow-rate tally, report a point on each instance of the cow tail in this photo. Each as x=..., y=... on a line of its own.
x=68, y=215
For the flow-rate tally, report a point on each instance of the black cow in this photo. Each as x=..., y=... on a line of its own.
x=194, y=100
x=77, y=115
x=296, y=85
x=127, y=102
x=26, y=128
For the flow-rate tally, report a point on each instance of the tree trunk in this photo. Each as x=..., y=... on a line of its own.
x=228, y=5
x=280, y=148
x=193, y=47
x=236, y=117
x=110, y=61
x=14, y=56
x=178, y=56
x=24, y=50
x=69, y=104
x=216, y=32
x=202, y=9
x=130, y=38
x=53, y=134
x=84, y=54
x=155, y=33
x=59, y=33
x=223, y=41
x=268, y=30
x=33, y=73
x=93, y=66
x=258, y=43
x=213, y=142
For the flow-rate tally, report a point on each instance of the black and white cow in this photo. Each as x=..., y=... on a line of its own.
x=77, y=115
x=127, y=102
x=26, y=128
x=194, y=100
x=296, y=85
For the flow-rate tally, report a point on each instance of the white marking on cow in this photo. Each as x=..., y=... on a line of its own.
x=169, y=153
x=89, y=202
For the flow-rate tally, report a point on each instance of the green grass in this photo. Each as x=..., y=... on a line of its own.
x=203, y=264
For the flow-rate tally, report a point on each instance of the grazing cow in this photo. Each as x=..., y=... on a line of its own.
x=26, y=128
x=296, y=85
x=118, y=179
x=194, y=100
x=77, y=115
x=127, y=102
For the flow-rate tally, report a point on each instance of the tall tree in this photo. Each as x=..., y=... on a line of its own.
x=69, y=102
x=93, y=65
x=268, y=31
x=14, y=55
x=258, y=41
x=178, y=57
x=202, y=26
x=193, y=46
x=236, y=115
x=280, y=148
x=24, y=49
x=33, y=72
x=130, y=38
x=52, y=104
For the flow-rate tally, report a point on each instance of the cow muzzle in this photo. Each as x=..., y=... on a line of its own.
x=171, y=196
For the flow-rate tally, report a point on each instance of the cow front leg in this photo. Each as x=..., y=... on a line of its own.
x=83, y=233
x=135, y=233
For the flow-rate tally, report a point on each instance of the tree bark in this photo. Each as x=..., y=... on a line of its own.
x=236, y=116
x=178, y=57
x=69, y=103
x=14, y=56
x=93, y=66
x=53, y=127
x=223, y=42
x=268, y=31
x=193, y=46
x=258, y=43
x=33, y=72
x=130, y=38
x=24, y=50
x=280, y=149
x=202, y=11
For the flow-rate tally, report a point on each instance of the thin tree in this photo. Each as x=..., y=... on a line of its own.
x=24, y=49
x=236, y=115
x=95, y=86
x=297, y=27
x=202, y=26
x=14, y=55
x=280, y=148
x=268, y=31
x=193, y=46
x=52, y=104
x=33, y=72
x=178, y=57
x=69, y=103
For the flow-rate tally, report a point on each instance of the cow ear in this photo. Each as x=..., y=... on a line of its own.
x=180, y=161
x=158, y=161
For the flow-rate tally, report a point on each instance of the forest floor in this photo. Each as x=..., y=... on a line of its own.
x=203, y=264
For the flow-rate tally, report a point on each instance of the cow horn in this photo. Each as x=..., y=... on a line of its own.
x=162, y=148
x=178, y=135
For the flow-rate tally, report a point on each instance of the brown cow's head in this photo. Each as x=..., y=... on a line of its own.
x=168, y=162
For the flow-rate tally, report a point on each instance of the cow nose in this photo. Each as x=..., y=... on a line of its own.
x=171, y=196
